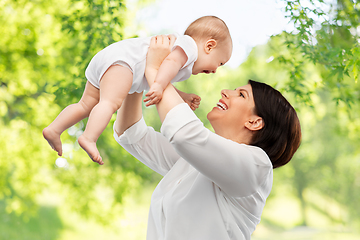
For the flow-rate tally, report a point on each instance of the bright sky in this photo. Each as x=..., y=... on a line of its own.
x=251, y=22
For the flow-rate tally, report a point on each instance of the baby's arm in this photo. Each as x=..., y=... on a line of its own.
x=191, y=99
x=167, y=71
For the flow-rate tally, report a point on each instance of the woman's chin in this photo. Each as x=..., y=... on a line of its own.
x=210, y=116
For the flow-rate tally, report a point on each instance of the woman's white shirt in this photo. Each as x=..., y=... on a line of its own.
x=212, y=189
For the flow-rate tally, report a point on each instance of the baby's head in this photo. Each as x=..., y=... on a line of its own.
x=214, y=43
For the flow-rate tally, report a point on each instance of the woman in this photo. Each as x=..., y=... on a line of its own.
x=215, y=184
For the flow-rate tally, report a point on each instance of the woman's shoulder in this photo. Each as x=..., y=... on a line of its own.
x=259, y=155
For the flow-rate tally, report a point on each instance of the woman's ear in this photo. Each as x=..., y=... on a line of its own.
x=210, y=45
x=255, y=124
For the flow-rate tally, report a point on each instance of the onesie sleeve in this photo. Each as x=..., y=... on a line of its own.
x=238, y=169
x=189, y=46
x=148, y=146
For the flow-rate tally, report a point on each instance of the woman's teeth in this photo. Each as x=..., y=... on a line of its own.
x=221, y=105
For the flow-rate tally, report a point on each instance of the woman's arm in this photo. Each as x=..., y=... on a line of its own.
x=143, y=142
x=238, y=169
x=129, y=113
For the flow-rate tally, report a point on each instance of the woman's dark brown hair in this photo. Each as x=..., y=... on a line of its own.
x=281, y=135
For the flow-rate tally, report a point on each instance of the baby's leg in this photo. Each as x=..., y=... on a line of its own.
x=71, y=115
x=114, y=87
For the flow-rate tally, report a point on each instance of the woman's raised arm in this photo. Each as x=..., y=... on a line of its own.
x=129, y=113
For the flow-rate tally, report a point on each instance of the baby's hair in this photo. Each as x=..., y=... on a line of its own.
x=208, y=27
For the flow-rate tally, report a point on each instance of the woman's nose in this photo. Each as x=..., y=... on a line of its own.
x=225, y=93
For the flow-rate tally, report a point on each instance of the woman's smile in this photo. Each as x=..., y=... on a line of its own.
x=221, y=105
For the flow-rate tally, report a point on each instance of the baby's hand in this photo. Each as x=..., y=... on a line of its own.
x=154, y=95
x=192, y=100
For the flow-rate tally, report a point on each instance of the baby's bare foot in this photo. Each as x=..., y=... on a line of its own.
x=53, y=139
x=91, y=149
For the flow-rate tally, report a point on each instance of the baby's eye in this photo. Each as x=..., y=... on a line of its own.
x=221, y=64
x=242, y=95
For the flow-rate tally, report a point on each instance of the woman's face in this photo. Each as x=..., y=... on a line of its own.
x=233, y=111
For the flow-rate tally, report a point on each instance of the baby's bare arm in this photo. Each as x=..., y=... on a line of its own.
x=168, y=69
x=191, y=99
x=153, y=61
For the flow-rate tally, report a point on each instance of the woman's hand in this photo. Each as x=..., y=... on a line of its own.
x=159, y=49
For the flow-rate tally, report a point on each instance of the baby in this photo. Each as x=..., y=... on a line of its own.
x=118, y=70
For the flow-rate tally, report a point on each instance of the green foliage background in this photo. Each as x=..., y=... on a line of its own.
x=45, y=47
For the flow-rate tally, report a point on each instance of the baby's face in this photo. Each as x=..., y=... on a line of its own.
x=209, y=61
